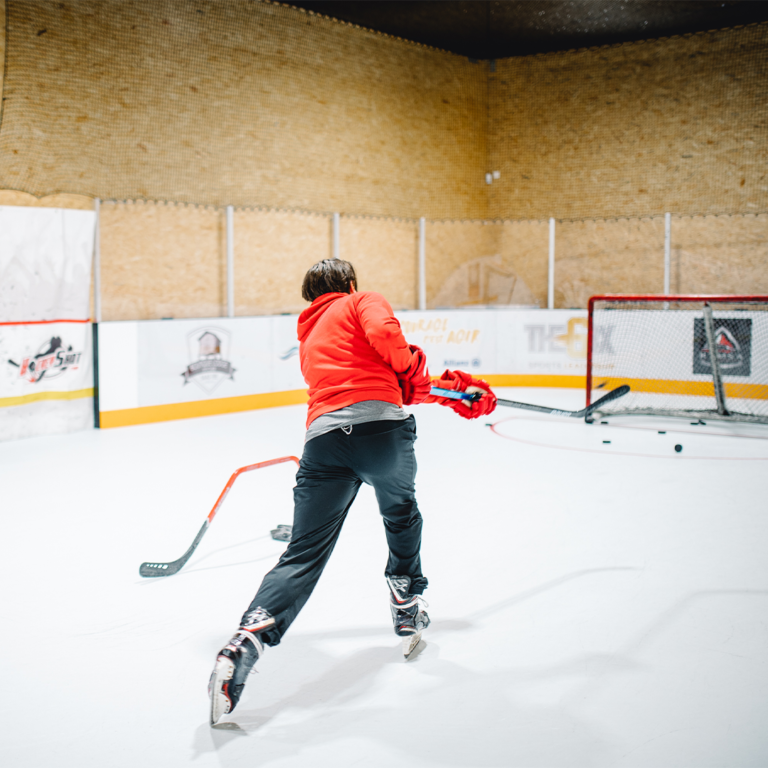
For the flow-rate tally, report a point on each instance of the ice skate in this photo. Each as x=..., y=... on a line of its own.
x=408, y=614
x=235, y=661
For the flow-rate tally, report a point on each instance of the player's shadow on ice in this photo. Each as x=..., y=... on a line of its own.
x=456, y=715
x=319, y=693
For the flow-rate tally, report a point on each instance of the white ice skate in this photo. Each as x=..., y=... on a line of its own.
x=408, y=614
x=235, y=661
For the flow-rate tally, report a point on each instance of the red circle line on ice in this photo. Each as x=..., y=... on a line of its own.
x=672, y=455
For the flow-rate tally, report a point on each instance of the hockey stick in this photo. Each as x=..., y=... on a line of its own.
x=152, y=570
x=583, y=413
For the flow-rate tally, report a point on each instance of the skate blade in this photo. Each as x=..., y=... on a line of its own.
x=222, y=672
x=410, y=644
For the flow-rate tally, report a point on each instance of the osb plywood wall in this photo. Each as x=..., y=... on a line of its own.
x=243, y=103
x=624, y=256
x=720, y=254
x=473, y=264
x=385, y=255
x=273, y=250
x=470, y=264
x=161, y=260
x=676, y=125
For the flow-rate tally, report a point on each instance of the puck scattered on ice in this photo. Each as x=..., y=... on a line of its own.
x=603, y=422
x=607, y=442
x=662, y=433
x=282, y=533
x=678, y=447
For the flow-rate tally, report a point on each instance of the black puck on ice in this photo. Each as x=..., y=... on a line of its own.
x=678, y=448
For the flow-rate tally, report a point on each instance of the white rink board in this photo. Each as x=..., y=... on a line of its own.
x=143, y=363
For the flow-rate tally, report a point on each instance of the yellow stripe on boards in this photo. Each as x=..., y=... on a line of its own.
x=154, y=413
x=534, y=380
x=35, y=397
x=733, y=389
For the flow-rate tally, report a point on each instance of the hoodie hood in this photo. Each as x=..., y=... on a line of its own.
x=309, y=317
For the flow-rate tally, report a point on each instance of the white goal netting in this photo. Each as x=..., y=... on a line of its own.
x=661, y=348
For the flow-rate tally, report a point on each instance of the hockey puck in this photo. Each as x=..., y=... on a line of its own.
x=662, y=433
x=678, y=448
x=606, y=442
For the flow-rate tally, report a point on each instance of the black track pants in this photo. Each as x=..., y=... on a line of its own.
x=333, y=467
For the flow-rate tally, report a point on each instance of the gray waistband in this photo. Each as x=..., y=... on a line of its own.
x=357, y=413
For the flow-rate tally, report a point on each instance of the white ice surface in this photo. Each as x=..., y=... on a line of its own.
x=589, y=609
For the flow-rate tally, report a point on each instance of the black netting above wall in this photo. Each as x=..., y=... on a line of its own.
x=237, y=102
x=249, y=103
x=679, y=124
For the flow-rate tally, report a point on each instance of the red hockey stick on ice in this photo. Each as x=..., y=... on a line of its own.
x=150, y=570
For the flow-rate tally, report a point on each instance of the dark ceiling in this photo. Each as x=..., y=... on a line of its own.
x=495, y=29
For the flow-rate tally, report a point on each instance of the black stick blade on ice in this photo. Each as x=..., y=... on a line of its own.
x=582, y=414
x=152, y=570
x=155, y=570
x=614, y=394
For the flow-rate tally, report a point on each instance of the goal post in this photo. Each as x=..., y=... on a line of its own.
x=661, y=347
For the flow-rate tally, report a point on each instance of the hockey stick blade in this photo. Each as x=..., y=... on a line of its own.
x=153, y=570
x=583, y=413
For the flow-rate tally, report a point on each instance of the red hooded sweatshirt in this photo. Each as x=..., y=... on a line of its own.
x=351, y=349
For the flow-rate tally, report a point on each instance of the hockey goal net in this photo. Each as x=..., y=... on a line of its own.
x=661, y=347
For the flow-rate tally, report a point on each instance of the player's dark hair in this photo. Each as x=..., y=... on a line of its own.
x=328, y=276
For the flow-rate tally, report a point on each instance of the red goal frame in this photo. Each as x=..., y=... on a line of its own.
x=650, y=297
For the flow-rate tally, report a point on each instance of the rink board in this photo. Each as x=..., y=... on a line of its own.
x=162, y=370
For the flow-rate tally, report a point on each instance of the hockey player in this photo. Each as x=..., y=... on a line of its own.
x=360, y=371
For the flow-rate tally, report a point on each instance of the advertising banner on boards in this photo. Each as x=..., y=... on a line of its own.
x=523, y=342
x=182, y=361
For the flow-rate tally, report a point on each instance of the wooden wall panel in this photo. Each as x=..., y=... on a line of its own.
x=525, y=249
x=384, y=253
x=720, y=254
x=450, y=246
x=483, y=263
x=273, y=251
x=161, y=260
x=615, y=256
